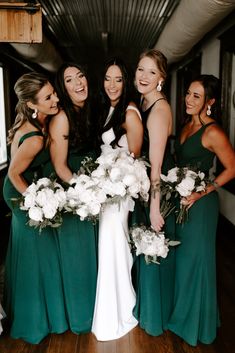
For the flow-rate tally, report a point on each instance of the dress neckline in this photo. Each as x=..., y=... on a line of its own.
x=203, y=126
x=161, y=98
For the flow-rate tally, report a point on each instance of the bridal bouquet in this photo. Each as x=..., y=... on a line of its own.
x=85, y=197
x=120, y=175
x=183, y=182
x=146, y=241
x=44, y=201
x=114, y=176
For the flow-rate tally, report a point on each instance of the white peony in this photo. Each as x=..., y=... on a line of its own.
x=36, y=214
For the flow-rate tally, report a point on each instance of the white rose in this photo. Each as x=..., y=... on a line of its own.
x=43, y=196
x=60, y=195
x=29, y=200
x=94, y=208
x=185, y=187
x=172, y=175
x=36, y=214
x=82, y=212
x=120, y=189
x=49, y=210
x=129, y=179
x=115, y=174
x=43, y=182
x=98, y=172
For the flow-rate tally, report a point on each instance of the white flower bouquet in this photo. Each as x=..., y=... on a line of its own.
x=84, y=197
x=120, y=175
x=183, y=182
x=44, y=201
x=151, y=244
x=114, y=176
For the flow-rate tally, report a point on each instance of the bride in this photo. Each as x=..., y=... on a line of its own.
x=115, y=297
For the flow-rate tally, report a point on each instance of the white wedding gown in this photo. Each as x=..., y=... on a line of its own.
x=115, y=296
x=2, y=315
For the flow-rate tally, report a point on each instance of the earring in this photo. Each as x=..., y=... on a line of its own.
x=208, y=112
x=159, y=86
x=35, y=114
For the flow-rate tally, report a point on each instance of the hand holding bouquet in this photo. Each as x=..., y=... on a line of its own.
x=151, y=244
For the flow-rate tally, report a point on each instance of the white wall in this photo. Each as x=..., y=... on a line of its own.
x=211, y=57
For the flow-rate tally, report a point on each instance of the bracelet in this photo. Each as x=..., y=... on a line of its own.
x=155, y=187
x=215, y=184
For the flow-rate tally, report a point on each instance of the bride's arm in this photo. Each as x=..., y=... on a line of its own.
x=134, y=132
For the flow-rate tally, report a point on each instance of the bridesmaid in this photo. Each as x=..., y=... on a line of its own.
x=33, y=288
x=70, y=142
x=120, y=124
x=195, y=315
x=155, y=283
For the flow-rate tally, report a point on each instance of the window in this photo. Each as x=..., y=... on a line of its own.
x=3, y=147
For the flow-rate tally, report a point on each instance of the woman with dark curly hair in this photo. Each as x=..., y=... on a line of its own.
x=70, y=142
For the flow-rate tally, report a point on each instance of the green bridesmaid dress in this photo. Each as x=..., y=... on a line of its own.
x=154, y=284
x=77, y=241
x=195, y=314
x=34, y=294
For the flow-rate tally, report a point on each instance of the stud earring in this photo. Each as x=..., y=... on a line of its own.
x=159, y=86
x=35, y=114
x=208, y=112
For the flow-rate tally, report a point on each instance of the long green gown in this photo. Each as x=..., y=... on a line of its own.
x=154, y=283
x=34, y=294
x=77, y=242
x=195, y=314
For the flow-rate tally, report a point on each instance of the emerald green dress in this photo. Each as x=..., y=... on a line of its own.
x=34, y=293
x=77, y=242
x=195, y=314
x=154, y=283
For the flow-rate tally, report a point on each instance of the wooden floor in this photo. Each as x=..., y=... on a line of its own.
x=138, y=341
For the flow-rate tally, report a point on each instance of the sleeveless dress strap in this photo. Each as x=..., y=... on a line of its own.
x=130, y=107
x=157, y=100
x=29, y=134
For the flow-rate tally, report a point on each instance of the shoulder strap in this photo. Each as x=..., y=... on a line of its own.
x=130, y=107
x=29, y=134
x=157, y=100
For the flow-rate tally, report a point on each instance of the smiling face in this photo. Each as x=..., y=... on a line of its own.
x=113, y=84
x=76, y=85
x=195, y=99
x=46, y=102
x=147, y=76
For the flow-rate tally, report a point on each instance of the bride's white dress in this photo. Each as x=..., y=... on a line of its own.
x=2, y=315
x=115, y=296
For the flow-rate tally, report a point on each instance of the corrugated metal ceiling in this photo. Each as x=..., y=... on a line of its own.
x=88, y=30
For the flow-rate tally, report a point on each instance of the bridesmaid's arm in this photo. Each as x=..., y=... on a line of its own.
x=134, y=132
x=21, y=160
x=59, y=129
x=158, y=124
x=216, y=141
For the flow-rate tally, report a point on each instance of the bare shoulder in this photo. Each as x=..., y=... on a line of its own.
x=59, y=122
x=133, y=112
x=214, y=131
x=32, y=144
x=161, y=113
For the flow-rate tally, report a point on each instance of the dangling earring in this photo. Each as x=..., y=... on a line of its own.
x=35, y=114
x=208, y=112
x=159, y=86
